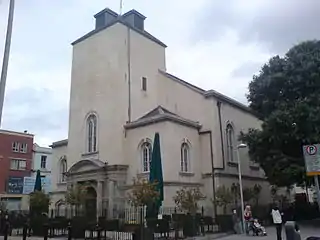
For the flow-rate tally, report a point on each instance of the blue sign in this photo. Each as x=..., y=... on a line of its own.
x=15, y=185
x=28, y=184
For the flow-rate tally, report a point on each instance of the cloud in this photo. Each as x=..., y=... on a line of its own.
x=247, y=69
x=276, y=24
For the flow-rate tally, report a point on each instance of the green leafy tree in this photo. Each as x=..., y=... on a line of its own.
x=143, y=192
x=286, y=97
x=76, y=196
x=39, y=202
x=223, y=198
x=187, y=199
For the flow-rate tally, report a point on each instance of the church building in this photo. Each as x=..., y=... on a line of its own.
x=121, y=95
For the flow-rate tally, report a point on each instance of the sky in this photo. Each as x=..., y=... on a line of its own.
x=214, y=44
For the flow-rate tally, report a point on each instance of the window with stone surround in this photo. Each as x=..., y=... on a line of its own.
x=91, y=134
x=146, y=154
x=230, y=142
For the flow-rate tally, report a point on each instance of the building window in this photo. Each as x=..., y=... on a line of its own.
x=146, y=154
x=18, y=164
x=92, y=133
x=144, y=84
x=23, y=147
x=15, y=147
x=63, y=170
x=230, y=143
x=43, y=163
x=185, y=158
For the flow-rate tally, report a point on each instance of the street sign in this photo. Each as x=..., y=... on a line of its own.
x=311, y=154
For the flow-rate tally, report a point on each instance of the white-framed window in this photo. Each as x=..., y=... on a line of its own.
x=18, y=164
x=43, y=163
x=15, y=147
x=230, y=142
x=185, y=157
x=23, y=147
x=92, y=133
x=146, y=154
x=63, y=169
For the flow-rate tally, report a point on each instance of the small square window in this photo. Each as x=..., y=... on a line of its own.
x=23, y=147
x=15, y=147
x=144, y=84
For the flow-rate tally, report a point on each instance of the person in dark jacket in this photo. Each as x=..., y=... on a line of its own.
x=236, y=222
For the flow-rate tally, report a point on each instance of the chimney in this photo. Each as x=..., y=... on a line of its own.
x=105, y=17
x=135, y=19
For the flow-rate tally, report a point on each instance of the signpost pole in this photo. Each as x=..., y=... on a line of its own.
x=316, y=183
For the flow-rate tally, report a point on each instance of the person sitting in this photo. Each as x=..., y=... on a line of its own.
x=259, y=227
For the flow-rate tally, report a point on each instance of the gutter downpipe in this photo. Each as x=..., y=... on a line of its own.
x=212, y=169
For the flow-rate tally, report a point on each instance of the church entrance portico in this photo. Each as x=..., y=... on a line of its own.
x=103, y=185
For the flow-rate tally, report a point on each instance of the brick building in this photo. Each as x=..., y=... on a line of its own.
x=16, y=154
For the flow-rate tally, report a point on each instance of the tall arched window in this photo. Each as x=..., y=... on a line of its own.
x=230, y=142
x=185, y=158
x=92, y=133
x=146, y=154
x=63, y=169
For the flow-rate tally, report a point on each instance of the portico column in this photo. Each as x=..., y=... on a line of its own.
x=110, y=197
x=99, y=197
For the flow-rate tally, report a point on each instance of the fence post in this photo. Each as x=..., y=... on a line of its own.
x=45, y=229
x=6, y=229
x=69, y=231
x=98, y=232
x=24, y=231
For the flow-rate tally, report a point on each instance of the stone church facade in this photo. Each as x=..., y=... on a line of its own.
x=121, y=94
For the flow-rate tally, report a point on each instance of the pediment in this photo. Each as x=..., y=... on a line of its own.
x=86, y=166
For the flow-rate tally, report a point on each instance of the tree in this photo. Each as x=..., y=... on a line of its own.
x=223, y=197
x=286, y=97
x=39, y=202
x=143, y=192
x=235, y=190
x=186, y=199
x=76, y=196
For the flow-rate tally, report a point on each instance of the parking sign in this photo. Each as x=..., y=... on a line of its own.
x=311, y=154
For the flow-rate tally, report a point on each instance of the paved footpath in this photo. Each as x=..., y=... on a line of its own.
x=305, y=232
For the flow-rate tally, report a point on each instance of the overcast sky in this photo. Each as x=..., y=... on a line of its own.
x=215, y=44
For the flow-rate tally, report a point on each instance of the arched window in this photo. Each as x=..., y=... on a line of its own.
x=230, y=142
x=185, y=158
x=92, y=133
x=63, y=169
x=146, y=154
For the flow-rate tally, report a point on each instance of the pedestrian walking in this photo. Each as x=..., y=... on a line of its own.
x=247, y=218
x=236, y=222
x=277, y=221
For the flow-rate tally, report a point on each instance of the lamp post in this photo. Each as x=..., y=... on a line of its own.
x=241, y=145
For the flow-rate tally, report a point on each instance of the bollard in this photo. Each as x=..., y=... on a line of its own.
x=291, y=232
x=24, y=232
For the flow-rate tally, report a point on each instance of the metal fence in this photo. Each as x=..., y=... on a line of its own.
x=120, y=223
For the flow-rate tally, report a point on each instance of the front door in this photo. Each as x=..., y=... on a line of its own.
x=91, y=203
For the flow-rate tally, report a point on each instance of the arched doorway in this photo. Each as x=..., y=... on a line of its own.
x=91, y=203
